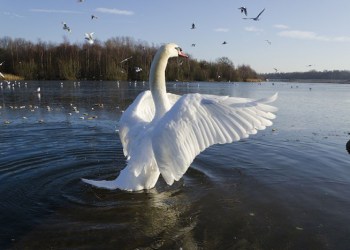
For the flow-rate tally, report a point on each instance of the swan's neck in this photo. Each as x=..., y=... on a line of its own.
x=157, y=84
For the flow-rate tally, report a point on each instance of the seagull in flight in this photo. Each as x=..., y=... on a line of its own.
x=193, y=26
x=89, y=38
x=255, y=18
x=276, y=70
x=2, y=63
x=268, y=41
x=93, y=16
x=126, y=59
x=243, y=10
x=224, y=42
x=65, y=27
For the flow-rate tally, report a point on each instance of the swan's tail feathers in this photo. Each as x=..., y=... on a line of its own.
x=129, y=179
x=111, y=185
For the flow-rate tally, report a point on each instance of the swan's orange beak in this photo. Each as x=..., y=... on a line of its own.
x=182, y=54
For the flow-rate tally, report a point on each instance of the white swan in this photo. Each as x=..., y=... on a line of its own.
x=162, y=133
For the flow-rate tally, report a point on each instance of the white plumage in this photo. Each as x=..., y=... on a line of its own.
x=89, y=37
x=162, y=133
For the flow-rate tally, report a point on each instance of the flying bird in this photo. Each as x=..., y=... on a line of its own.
x=162, y=133
x=65, y=27
x=193, y=45
x=2, y=63
x=276, y=70
x=193, y=26
x=89, y=38
x=255, y=18
x=93, y=17
x=268, y=41
x=243, y=10
x=224, y=42
x=138, y=69
x=126, y=59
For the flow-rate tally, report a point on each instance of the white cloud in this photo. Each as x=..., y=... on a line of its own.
x=12, y=14
x=309, y=35
x=281, y=26
x=222, y=30
x=115, y=11
x=55, y=11
x=253, y=29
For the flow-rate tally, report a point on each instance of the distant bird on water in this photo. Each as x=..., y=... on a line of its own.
x=255, y=18
x=243, y=10
x=89, y=38
x=193, y=26
x=65, y=27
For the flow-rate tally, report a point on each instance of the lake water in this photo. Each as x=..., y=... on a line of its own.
x=288, y=187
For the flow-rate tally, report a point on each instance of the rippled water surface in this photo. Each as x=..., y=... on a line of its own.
x=288, y=187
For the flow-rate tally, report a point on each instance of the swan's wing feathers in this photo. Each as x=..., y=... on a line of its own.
x=136, y=117
x=197, y=121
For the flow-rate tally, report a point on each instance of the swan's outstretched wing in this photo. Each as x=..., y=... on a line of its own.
x=197, y=121
x=136, y=117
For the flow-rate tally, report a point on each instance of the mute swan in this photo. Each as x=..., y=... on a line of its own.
x=162, y=133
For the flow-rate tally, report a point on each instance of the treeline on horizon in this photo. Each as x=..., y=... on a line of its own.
x=343, y=75
x=104, y=61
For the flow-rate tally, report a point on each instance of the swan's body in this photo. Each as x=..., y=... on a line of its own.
x=162, y=133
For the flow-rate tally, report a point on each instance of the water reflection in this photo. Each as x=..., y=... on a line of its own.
x=287, y=187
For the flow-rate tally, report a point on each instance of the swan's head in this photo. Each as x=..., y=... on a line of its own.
x=173, y=50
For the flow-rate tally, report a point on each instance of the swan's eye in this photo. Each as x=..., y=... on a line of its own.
x=178, y=49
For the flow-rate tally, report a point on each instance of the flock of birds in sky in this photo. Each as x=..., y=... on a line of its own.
x=90, y=39
x=243, y=11
x=89, y=36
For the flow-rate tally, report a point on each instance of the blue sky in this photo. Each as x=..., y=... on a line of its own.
x=302, y=33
